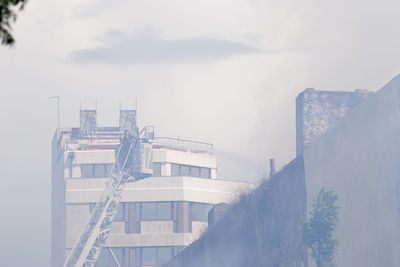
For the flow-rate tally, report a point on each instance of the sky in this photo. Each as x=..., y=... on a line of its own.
x=224, y=72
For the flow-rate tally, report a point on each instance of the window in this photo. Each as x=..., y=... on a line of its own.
x=185, y=170
x=164, y=211
x=175, y=169
x=192, y=171
x=157, y=211
x=176, y=250
x=200, y=211
x=149, y=256
x=108, y=169
x=195, y=171
x=149, y=211
x=119, y=216
x=87, y=170
x=132, y=217
x=95, y=170
x=152, y=256
x=175, y=216
x=106, y=259
x=137, y=217
x=156, y=169
x=164, y=254
x=205, y=173
x=99, y=170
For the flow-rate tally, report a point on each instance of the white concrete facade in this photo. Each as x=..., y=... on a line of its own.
x=158, y=216
x=359, y=159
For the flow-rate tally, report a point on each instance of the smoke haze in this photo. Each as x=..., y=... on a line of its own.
x=224, y=72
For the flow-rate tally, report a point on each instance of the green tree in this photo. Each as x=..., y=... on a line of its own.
x=317, y=231
x=7, y=16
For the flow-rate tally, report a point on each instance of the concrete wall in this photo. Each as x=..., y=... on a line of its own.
x=318, y=111
x=159, y=189
x=58, y=226
x=184, y=157
x=262, y=229
x=360, y=160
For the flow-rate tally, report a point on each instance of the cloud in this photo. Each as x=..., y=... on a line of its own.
x=95, y=8
x=116, y=49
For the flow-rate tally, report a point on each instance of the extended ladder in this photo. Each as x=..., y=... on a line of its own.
x=89, y=244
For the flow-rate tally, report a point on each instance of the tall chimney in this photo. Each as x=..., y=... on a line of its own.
x=88, y=122
x=272, y=167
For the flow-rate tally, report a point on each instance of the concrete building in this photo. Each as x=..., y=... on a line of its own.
x=318, y=111
x=359, y=158
x=354, y=150
x=157, y=216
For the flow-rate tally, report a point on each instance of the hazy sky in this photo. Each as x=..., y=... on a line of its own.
x=225, y=72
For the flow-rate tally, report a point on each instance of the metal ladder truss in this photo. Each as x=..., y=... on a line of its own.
x=89, y=244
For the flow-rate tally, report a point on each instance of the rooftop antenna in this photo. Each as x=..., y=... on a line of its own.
x=58, y=109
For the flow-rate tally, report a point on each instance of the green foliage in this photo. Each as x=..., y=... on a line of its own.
x=317, y=232
x=7, y=16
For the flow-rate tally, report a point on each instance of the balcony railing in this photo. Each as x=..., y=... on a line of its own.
x=184, y=145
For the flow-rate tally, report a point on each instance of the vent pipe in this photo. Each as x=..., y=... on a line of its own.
x=272, y=167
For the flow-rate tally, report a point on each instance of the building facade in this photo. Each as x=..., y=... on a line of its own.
x=354, y=150
x=157, y=216
x=318, y=111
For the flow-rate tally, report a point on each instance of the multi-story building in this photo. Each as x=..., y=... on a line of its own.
x=157, y=216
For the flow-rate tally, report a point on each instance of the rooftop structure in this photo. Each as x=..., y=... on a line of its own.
x=157, y=216
x=318, y=111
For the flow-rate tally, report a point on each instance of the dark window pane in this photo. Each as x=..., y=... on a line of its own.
x=149, y=256
x=119, y=254
x=200, y=211
x=127, y=217
x=99, y=170
x=185, y=170
x=175, y=169
x=106, y=259
x=164, y=211
x=164, y=254
x=195, y=171
x=175, y=217
x=127, y=257
x=176, y=250
x=156, y=169
x=137, y=218
x=108, y=169
x=120, y=213
x=87, y=170
x=137, y=256
x=205, y=173
x=149, y=212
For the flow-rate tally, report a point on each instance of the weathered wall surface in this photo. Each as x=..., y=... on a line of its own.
x=318, y=111
x=262, y=229
x=360, y=159
x=58, y=225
